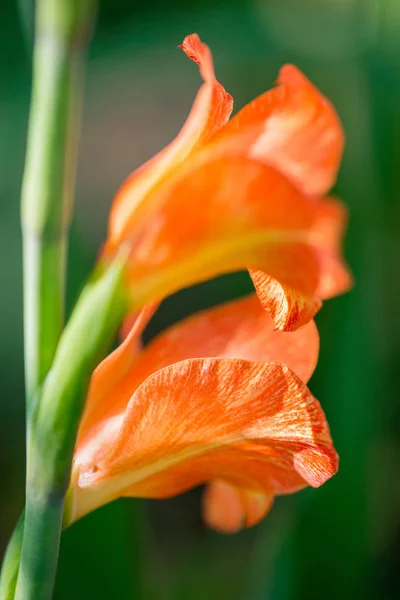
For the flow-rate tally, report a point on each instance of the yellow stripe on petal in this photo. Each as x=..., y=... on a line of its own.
x=221, y=216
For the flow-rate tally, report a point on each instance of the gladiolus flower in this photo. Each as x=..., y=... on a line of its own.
x=245, y=193
x=217, y=399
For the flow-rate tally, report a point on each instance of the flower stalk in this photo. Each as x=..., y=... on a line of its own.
x=54, y=421
x=62, y=31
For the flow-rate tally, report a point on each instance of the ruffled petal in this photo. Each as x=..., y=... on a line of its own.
x=290, y=307
x=220, y=216
x=237, y=329
x=252, y=425
x=322, y=275
x=211, y=110
x=227, y=508
x=294, y=128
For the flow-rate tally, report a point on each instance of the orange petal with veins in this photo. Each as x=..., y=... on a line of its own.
x=222, y=216
x=322, y=275
x=293, y=128
x=211, y=110
x=290, y=307
x=287, y=287
x=253, y=425
x=237, y=329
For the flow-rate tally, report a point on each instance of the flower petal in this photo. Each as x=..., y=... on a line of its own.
x=293, y=128
x=253, y=425
x=237, y=329
x=290, y=307
x=220, y=216
x=326, y=275
x=114, y=368
x=327, y=235
x=228, y=509
x=211, y=110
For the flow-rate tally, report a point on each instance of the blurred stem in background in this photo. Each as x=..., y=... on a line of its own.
x=9, y=572
x=27, y=18
x=61, y=33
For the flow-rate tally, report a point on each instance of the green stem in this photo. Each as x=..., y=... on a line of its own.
x=44, y=263
x=54, y=423
x=47, y=196
x=61, y=34
x=49, y=176
x=43, y=516
x=52, y=433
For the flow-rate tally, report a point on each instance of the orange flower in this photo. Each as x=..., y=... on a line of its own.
x=216, y=399
x=246, y=193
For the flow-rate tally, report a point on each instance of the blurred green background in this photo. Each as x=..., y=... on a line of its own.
x=342, y=541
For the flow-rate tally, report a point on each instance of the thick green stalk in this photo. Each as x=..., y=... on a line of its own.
x=61, y=33
x=49, y=179
x=44, y=279
x=54, y=423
